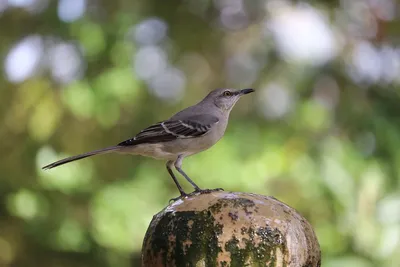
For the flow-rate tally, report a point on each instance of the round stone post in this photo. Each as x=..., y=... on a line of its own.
x=230, y=229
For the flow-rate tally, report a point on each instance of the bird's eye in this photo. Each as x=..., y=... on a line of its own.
x=227, y=93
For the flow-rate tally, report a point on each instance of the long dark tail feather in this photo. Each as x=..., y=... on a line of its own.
x=81, y=156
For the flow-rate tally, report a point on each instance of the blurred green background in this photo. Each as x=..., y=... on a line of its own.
x=322, y=132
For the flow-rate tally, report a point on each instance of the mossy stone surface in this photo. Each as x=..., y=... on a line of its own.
x=230, y=229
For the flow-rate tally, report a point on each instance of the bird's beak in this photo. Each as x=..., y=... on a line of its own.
x=246, y=91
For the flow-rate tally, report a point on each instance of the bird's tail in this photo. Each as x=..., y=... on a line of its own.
x=81, y=156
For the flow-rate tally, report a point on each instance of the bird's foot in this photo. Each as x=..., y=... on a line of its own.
x=207, y=191
x=183, y=195
x=195, y=192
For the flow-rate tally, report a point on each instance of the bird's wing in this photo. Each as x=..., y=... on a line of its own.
x=193, y=126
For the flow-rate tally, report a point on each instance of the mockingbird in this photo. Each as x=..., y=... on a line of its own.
x=188, y=132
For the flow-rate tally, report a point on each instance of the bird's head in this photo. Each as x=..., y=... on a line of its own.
x=225, y=99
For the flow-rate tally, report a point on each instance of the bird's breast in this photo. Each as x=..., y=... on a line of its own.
x=194, y=145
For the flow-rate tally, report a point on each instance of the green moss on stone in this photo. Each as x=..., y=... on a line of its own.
x=258, y=254
x=197, y=229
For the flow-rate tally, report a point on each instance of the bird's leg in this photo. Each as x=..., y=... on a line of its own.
x=178, y=165
x=183, y=194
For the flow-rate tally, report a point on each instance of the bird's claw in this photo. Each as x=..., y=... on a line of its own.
x=177, y=198
x=207, y=191
x=196, y=191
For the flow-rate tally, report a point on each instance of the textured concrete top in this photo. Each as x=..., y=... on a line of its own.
x=230, y=229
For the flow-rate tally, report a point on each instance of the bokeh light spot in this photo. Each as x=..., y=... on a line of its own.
x=71, y=10
x=23, y=60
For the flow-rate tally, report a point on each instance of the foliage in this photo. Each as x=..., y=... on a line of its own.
x=321, y=133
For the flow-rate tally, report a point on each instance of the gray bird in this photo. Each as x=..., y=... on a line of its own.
x=188, y=132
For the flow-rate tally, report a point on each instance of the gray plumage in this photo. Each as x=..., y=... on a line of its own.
x=188, y=132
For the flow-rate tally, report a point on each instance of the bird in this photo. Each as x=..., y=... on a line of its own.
x=188, y=132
